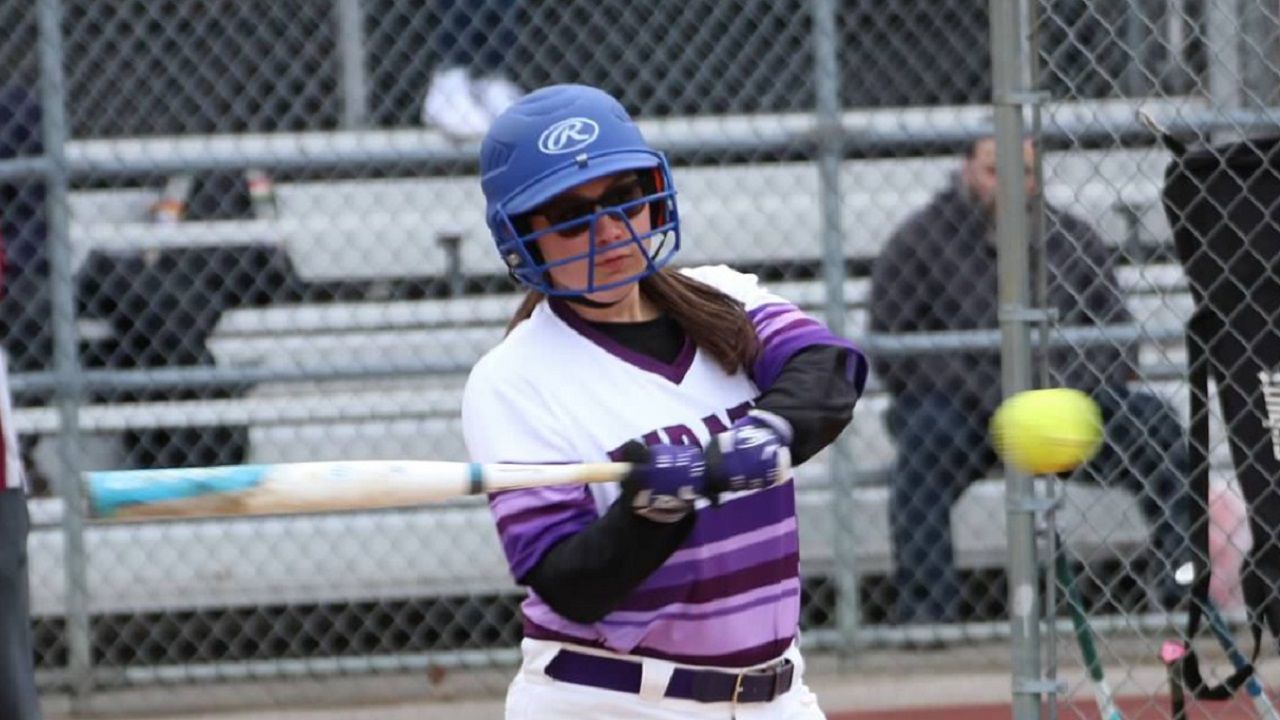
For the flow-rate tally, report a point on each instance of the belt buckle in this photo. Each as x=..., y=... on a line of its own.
x=737, y=686
x=777, y=673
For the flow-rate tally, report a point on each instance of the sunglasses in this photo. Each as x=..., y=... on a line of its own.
x=571, y=209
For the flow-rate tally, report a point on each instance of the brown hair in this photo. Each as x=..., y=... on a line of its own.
x=715, y=322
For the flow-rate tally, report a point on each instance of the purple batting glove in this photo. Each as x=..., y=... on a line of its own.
x=753, y=454
x=666, y=480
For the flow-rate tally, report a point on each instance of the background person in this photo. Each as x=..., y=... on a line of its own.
x=939, y=273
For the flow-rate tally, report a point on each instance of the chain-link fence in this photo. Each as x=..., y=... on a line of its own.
x=275, y=251
x=1216, y=63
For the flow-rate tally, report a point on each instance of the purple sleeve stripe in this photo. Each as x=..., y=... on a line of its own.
x=519, y=522
x=719, y=609
x=517, y=501
x=767, y=326
x=786, y=327
x=718, y=587
x=760, y=313
x=525, y=551
x=775, y=355
x=529, y=522
x=775, y=314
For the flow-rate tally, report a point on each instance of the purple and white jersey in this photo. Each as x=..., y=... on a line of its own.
x=555, y=390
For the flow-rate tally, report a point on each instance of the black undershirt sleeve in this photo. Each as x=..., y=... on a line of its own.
x=815, y=392
x=586, y=575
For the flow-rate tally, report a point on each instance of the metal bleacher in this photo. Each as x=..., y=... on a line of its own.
x=728, y=218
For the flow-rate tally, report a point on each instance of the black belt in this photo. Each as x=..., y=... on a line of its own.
x=749, y=686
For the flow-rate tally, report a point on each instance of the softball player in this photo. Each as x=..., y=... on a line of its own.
x=676, y=593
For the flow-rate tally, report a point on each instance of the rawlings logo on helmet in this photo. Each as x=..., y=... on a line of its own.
x=568, y=135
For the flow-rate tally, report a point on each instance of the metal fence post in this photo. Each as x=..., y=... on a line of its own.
x=1226, y=73
x=351, y=48
x=1261, y=54
x=66, y=364
x=1011, y=92
x=826, y=79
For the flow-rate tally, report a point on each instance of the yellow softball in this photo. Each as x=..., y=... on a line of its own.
x=1047, y=431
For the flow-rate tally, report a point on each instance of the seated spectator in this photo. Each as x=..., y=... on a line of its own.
x=172, y=304
x=163, y=305
x=939, y=273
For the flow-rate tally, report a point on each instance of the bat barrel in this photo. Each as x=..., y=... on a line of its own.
x=109, y=491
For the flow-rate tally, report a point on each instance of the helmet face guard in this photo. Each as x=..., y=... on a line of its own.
x=658, y=244
x=552, y=141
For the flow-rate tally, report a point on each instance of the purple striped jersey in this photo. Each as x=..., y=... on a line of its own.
x=555, y=390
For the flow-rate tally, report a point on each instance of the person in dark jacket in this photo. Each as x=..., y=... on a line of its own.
x=939, y=273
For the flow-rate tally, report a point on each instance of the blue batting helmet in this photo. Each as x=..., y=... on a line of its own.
x=558, y=138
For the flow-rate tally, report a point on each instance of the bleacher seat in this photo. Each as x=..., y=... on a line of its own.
x=742, y=214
